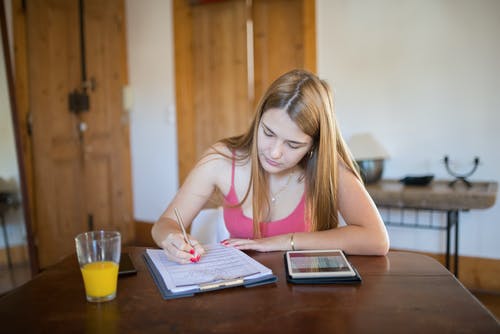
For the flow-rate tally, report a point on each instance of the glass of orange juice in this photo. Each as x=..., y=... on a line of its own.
x=99, y=256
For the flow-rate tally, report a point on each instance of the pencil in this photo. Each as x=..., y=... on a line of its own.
x=181, y=225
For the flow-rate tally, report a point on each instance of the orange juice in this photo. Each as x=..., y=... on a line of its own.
x=100, y=278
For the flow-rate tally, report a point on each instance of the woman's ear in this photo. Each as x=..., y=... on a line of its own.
x=311, y=151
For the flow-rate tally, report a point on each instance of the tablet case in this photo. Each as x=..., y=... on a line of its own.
x=323, y=280
x=168, y=294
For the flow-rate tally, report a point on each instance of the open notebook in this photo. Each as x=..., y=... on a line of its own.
x=220, y=267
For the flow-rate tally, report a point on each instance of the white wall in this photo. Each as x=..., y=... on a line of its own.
x=422, y=75
x=152, y=111
x=8, y=158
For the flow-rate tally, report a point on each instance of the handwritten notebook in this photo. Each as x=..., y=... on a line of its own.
x=219, y=268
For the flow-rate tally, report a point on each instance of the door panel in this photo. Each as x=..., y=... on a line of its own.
x=278, y=40
x=216, y=90
x=53, y=71
x=77, y=173
x=106, y=158
x=220, y=72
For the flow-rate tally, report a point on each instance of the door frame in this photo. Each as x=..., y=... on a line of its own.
x=22, y=145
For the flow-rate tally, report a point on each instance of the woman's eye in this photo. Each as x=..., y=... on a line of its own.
x=267, y=133
x=293, y=146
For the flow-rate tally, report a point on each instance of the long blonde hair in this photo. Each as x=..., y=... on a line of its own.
x=309, y=103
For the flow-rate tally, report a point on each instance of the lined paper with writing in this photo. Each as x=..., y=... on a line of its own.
x=219, y=263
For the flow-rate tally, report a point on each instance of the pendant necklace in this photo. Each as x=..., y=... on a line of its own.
x=275, y=196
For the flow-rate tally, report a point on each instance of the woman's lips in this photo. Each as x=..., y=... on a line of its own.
x=272, y=162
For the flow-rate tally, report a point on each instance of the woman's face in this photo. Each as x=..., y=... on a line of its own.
x=281, y=143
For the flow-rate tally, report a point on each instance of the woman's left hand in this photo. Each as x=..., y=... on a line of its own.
x=261, y=245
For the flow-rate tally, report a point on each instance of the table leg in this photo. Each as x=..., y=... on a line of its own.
x=448, y=228
x=455, y=218
x=6, y=240
x=452, y=220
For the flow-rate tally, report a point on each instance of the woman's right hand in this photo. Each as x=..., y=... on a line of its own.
x=178, y=250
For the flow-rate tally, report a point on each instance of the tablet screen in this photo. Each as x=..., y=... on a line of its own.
x=318, y=264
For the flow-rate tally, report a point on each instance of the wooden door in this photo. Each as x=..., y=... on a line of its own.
x=221, y=105
x=284, y=39
x=106, y=153
x=226, y=54
x=54, y=70
x=80, y=161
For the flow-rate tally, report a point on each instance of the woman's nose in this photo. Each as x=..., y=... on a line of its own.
x=276, y=150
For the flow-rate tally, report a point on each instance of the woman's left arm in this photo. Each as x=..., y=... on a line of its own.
x=363, y=234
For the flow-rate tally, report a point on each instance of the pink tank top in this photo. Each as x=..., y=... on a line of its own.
x=240, y=226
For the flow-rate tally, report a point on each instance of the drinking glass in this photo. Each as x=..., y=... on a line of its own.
x=99, y=257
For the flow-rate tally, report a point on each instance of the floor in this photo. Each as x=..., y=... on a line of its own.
x=11, y=278
x=19, y=274
x=490, y=300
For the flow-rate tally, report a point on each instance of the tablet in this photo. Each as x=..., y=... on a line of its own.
x=318, y=263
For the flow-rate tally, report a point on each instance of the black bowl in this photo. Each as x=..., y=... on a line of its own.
x=421, y=180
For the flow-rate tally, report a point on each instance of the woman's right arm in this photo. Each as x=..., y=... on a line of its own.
x=189, y=200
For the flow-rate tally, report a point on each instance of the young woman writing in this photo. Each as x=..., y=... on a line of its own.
x=285, y=181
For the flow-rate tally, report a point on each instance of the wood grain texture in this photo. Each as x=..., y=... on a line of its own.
x=477, y=274
x=278, y=40
x=22, y=99
x=106, y=142
x=309, y=33
x=21, y=122
x=220, y=72
x=438, y=195
x=143, y=236
x=54, y=70
x=184, y=87
x=76, y=174
x=400, y=290
x=215, y=92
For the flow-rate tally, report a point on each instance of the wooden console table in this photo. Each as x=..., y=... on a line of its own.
x=437, y=196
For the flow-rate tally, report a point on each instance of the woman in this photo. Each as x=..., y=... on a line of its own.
x=291, y=171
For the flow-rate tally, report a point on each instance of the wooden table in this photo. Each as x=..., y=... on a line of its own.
x=437, y=196
x=400, y=293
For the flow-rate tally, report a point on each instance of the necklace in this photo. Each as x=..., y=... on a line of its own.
x=276, y=195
